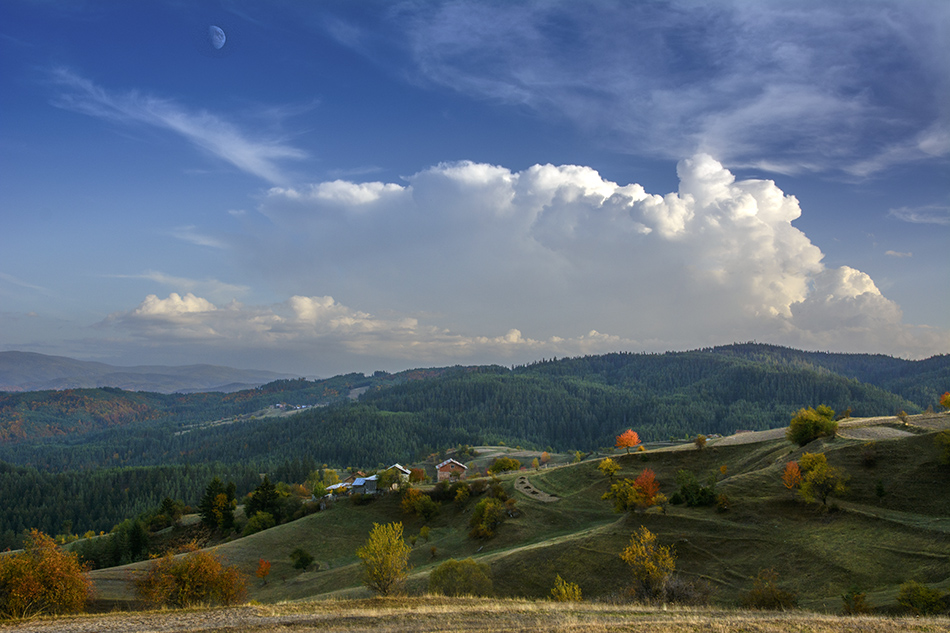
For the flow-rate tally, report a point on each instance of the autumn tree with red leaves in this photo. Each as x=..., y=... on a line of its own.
x=42, y=579
x=628, y=439
x=648, y=486
x=263, y=569
x=636, y=494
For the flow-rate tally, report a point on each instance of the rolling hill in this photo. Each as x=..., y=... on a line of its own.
x=97, y=438
x=890, y=527
x=29, y=371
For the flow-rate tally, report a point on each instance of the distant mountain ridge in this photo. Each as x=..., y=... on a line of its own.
x=30, y=371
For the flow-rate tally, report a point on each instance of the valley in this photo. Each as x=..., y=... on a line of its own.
x=887, y=526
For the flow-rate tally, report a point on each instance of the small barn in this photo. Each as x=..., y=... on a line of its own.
x=364, y=485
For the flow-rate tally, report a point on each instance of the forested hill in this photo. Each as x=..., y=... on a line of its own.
x=102, y=455
x=69, y=413
x=568, y=404
x=920, y=382
x=914, y=380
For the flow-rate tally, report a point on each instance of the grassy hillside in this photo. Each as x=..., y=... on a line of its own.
x=872, y=541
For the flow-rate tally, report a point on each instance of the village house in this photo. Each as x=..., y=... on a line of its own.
x=402, y=470
x=353, y=477
x=449, y=469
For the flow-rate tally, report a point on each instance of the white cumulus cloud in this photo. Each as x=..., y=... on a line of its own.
x=175, y=305
x=469, y=262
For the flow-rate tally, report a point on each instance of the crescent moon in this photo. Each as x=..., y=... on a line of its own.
x=216, y=36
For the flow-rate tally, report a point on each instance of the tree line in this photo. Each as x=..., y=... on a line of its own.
x=78, y=502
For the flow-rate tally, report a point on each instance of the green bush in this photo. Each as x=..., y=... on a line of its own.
x=819, y=480
x=462, y=495
x=489, y=513
x=301, y=558
x=258, y=522
x=942, y=442
x=361, y=499
x=461, y=578
x=694, y=493
x=504, y=464
x=810, y=424
x=920, y=599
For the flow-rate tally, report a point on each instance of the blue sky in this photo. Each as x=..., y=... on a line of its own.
x=380, y=185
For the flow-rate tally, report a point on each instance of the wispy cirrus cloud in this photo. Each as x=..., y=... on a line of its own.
x=258, y=156
x=789, y=87
x=218, y=290
x=929, y=214
x=190, y=234
x=16, y=281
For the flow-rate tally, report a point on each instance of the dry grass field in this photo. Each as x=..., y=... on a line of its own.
x=429, y=613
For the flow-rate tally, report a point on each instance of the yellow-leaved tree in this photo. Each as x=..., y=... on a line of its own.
x=652, y=565
x=385, y=558
x=609, y=467
x=819, y=479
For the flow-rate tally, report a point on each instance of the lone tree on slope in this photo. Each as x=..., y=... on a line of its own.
x=628, y=439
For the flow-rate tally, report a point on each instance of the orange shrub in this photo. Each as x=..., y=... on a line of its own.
x=41, y=579
x=198, y=577
x=792, y=475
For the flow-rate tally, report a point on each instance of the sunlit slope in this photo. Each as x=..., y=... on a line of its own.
x=871, y=541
